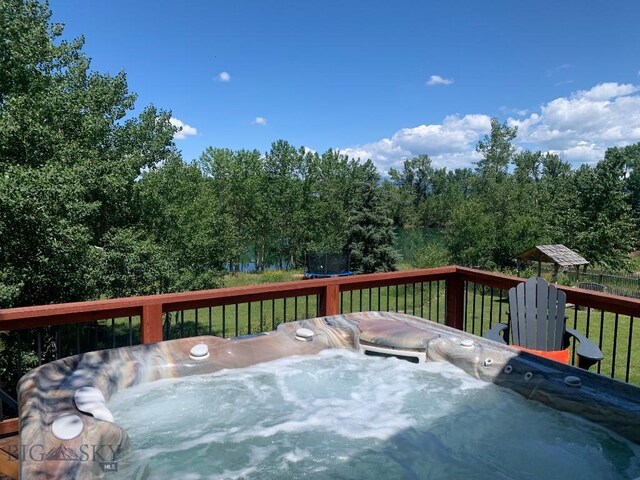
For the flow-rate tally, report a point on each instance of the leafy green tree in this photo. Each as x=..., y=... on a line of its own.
x=370, y=237
x=330, y=191
x=599, y=221
x=180, y=212
x=414, y=185
x=631, y=157
x=285, y=174
x=497, y=151
x=68, y=159
x=240, y=189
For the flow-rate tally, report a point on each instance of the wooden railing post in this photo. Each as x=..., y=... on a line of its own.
x=455, y=302
x=330, y=300
x=151, y=323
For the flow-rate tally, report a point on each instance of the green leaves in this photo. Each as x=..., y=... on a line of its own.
x=370, y=236
x=70, y=218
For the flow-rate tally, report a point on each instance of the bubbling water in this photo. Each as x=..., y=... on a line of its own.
x=341, y=415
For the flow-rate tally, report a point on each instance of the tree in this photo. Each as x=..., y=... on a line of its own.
x=497, y=151
x=68, y=160
x=631, y=157
x=326, y=205
x=180, y=212
x=414, y=185
x=370, y=236
x=599, y=221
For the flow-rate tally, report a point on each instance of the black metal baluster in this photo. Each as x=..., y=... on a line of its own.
x=113, y=333
x=466, y=305
x=379, y=307
x=196, y=310
x=422, y=299
x=19, y=361
x=341, y=303
x=360, y=301
x=210, y=322
x=473, y=308
x=600, y=336
x=181, y=323
x=438, y=301
x=249, y=318
x=285, y=309
x=58, y=345
x=575, y=326
x=166, y=327
x=490, y=309
x=39, y=346
x=396, y=298
x=236, y=319
x=430, y=294
x=224, y=322
x=615, y=347
x=261, y=317
x=295, y=308
x=404, y=295
x=626, y=377
x=413, y=299
x=482, y=310
x=387, y=298
x=273, y=314
x=306, y=306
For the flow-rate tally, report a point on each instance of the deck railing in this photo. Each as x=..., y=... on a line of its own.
x=466, y=299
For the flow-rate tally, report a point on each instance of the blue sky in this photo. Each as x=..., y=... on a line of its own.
x=385, y=80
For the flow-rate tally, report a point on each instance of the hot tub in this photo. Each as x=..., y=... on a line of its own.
x=68, y=428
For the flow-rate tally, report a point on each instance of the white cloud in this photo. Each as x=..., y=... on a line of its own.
x=451, y=143
x=260, y=121
x=586, y=123
x=224, y=77
x=579, y=128
x=185, y=130
x=605, y=91
x=438, y=80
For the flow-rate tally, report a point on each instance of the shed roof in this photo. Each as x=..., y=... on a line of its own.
x=559, y=254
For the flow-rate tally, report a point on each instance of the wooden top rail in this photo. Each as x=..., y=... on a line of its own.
x=585, y=298
x=68, y=313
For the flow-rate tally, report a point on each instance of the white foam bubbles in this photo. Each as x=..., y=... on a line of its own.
x=341, y=414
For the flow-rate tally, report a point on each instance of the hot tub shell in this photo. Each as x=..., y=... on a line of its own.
x=48, y=392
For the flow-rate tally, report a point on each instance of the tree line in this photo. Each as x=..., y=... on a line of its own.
x=514, y=199
x=96, y=202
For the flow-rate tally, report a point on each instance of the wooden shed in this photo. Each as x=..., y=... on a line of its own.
x=558, y=255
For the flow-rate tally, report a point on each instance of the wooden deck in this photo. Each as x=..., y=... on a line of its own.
x=9, y=465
